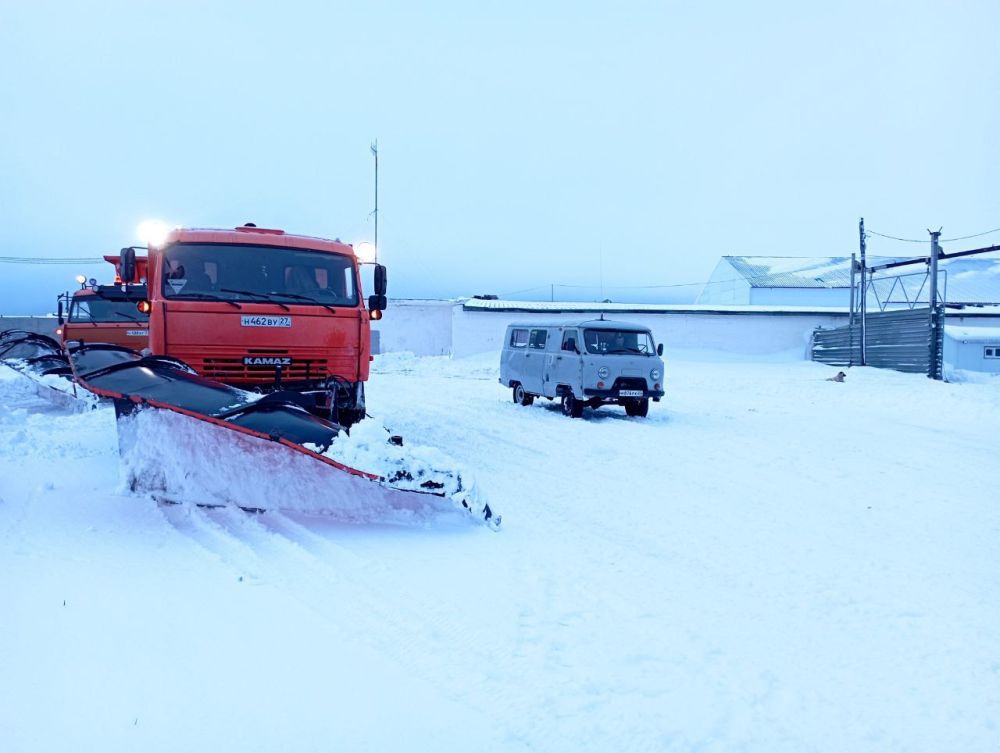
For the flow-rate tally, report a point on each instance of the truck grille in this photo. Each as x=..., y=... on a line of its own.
x=234, y=370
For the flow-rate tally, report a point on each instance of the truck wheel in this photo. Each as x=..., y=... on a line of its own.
x=347, y=418
x=571, y=406
x=521, y=397
x=637, y=407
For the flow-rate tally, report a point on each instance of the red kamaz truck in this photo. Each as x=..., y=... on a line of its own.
x=264, y=310
x=106, y=313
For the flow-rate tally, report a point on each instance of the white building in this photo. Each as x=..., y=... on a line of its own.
x=972, y=348
x=826, y=281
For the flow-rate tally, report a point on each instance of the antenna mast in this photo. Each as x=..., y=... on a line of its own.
x=374, y=148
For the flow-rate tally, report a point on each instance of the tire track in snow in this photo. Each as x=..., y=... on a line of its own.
x=343, y=589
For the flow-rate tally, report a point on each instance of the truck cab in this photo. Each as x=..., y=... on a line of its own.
x=104, y=314
x=265, y=310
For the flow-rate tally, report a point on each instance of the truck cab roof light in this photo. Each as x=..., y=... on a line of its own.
x=251, y=228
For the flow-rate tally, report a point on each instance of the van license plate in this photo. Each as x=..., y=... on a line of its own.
x=629, y=393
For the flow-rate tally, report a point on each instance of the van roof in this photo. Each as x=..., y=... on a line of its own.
x=588, y=323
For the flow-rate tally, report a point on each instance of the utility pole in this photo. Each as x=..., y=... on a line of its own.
x=375, y=154
x=854, y=272
x=933, y=299
x=864, y=286
x=935, y=253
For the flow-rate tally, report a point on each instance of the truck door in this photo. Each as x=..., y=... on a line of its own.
x=565, y=365
x=534, y=361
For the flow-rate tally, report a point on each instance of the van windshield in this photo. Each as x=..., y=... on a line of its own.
x=618, y=341
x=261, y=274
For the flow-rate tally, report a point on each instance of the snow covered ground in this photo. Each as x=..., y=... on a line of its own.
x=769, y=562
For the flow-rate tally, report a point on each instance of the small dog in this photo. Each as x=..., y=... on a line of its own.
x=839, y=378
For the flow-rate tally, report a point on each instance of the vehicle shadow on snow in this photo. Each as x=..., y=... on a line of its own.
x=609, y=413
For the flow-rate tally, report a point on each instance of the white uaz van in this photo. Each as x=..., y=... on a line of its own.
x=590, y=363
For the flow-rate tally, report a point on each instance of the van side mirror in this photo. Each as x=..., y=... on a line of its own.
x=126, y=265
x=570, y=344
x=659, y=349
x=377, y=302
x=380, y=280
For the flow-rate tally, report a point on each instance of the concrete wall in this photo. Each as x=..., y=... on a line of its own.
x=801, y=297
x=748, y=333
x=45, y=325
x=419, y=326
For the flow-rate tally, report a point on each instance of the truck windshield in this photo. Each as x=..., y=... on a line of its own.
x=94, y=309
x=618, y=341
x=258, y=274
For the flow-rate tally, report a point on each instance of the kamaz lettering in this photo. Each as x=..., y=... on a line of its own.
x=267, y=361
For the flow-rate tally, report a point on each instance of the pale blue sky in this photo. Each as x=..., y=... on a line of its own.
x=521, y=144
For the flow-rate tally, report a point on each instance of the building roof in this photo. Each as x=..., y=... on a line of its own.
x=610, y=324
x=973, y=334
x=966, y=280
x=798, y=271
x=579, y=307
x=972, y=280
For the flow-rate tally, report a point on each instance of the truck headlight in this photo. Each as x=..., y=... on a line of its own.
x=654, y=374
x=603, y=372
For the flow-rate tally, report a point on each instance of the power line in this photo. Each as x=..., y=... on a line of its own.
x=894, y=238
x=37, y=260
x=927, y=240
x=977, y=235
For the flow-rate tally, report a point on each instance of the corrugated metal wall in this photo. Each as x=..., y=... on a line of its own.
x=903, y=340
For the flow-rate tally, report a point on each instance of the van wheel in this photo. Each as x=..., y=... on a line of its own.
x=638, y=407
x=571, y=406
x=521, y=397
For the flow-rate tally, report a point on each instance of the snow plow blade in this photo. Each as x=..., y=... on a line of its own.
x=41, y=359
x=185, y=438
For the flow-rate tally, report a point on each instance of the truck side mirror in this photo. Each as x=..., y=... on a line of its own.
x=377, y=302
x=380, y=280
x=659, y=349
x=59, y=315
x=126, y=265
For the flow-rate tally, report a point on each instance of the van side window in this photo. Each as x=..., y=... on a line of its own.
x=570, y=340
x=538, y=338
x=519, y=338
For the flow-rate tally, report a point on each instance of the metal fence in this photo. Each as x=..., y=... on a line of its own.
x=908, y=340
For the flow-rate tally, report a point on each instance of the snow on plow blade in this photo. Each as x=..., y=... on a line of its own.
x=175, y=457
x=184, y=438
x=42, y=360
